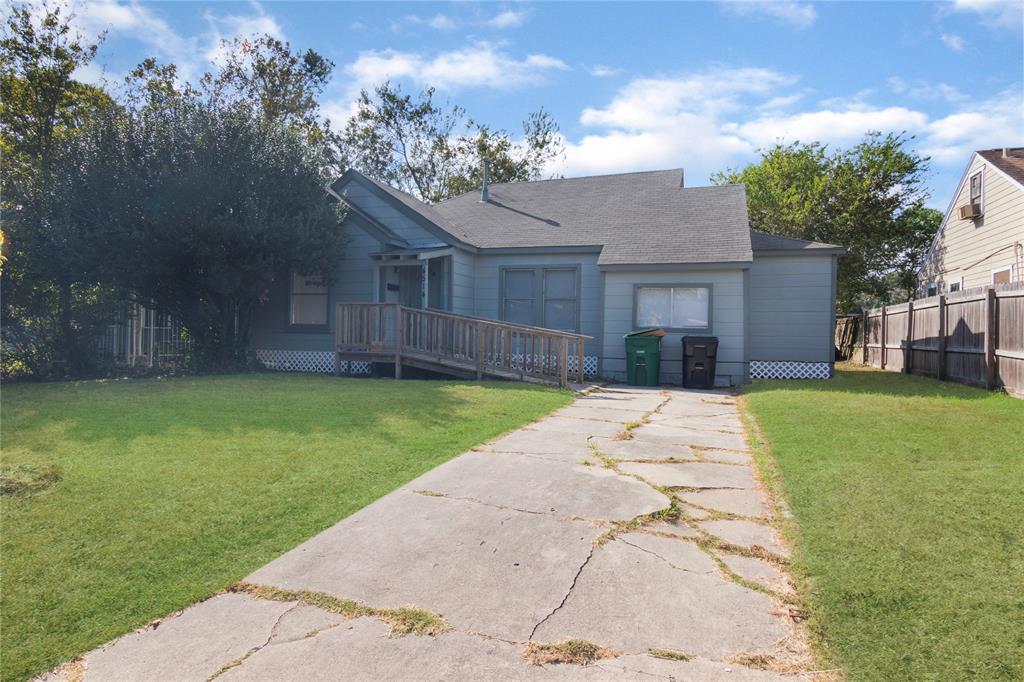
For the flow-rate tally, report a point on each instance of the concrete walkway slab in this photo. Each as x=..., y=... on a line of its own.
x=630, y=449
x=657, y=434
x=511, y=543
x=745, y=534
x=536, y=485
x=742, y=502
x=632, y=599
x=489, y=569
x=692, y=474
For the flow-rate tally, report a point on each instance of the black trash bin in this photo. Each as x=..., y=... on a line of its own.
x=699, y=354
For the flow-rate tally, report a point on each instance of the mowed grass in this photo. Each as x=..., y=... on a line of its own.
x=172, y=489
x=908, y=499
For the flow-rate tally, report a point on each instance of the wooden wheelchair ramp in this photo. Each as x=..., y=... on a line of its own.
x=460, y=345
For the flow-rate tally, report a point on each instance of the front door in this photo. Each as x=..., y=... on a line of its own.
x=402, y=284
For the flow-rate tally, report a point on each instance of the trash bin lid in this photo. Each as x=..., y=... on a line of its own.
x=699, y=339
x=653, y=331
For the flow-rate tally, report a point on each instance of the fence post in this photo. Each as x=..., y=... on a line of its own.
x=908, y=354
x=864, y=337
x=940, y=370
x=885, y=350
x=399, y=335
x=990, y=338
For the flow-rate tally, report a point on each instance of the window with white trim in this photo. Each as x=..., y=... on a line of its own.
x=1002, y=275
x=977, y=187
x=308, y=304
x=931, y=289
x=673, y=307
x=956, y=285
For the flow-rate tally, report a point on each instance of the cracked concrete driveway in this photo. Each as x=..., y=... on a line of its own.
x=631, y=519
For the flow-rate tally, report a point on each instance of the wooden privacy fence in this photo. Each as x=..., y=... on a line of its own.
x=975, y=337
x=458, y=344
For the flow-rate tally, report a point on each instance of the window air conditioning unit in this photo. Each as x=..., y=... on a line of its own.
x=969, y=211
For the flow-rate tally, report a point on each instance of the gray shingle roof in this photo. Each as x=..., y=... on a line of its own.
x=1012, y=164
x=639, y=218
x=762, y=241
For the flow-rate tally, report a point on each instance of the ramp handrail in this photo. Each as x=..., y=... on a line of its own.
x=488, y=346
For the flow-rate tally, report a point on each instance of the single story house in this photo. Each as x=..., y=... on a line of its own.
x=981, y=240
x=601, y=256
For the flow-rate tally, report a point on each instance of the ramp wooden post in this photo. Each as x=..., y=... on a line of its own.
x=479, y=351
x=398, y=341
x=563, y=357
x=579, y=358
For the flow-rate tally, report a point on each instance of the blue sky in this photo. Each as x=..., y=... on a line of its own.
x=637, y=86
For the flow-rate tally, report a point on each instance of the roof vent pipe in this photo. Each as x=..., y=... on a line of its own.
x=484, y=196
x=1006, y=152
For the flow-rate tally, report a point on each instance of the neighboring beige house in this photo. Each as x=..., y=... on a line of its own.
x=981, y=241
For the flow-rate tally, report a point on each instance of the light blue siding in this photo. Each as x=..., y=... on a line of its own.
x=727, y=316
x=463, y=277
x=353, y=282
x=792, y=308
x=388, y=215
x=487, y=289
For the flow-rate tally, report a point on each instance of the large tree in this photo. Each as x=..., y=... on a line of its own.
x=435, y=151
x=198, y=209
x=868, y=198
x=41, y=104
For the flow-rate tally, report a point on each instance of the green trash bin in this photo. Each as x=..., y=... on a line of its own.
x=643, y=356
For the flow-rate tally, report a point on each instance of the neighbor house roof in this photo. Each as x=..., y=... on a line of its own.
x=764, y=242
x=1012, y=164
x=638, y=218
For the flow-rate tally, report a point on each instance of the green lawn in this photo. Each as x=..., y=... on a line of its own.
x=171, y=489
x=908, y=500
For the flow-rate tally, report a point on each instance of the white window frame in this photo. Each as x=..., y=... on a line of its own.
x=299, y=326
x=981, y=189
x=1008, y=268
x=959, y=285
x=931, y=289
x=679, y=285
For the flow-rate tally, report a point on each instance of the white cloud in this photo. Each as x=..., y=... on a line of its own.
x=953, y=42
x=507, y=19
x=994, y=13
x=602, y=71
x=228, y=26
x=799, y=15
x=191, y=54
x=480, y=65
x=925, y=90
x=716, y=119
x=442, y=22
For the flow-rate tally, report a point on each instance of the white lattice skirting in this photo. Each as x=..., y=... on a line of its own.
x=589, y=362
x=764, y=369
x=306, y=361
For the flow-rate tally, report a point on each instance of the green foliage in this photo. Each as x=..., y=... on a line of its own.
x=868, y=198
x=435, y=152
x=200, y=208
x=190, y=198
x=906, y=494
x=49, y=309
x=173, y=489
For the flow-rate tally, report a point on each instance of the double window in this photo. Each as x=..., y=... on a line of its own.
x=684, y=307
x=307, y=306
x=541, y=296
